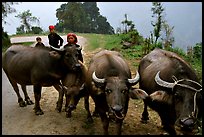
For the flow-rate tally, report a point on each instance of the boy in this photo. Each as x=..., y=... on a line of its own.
x=54, y=38
x=39, y=42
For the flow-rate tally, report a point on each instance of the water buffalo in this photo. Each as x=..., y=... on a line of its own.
x=74, y=82
x=174, y=89
x=40, y=67
x=109, y=83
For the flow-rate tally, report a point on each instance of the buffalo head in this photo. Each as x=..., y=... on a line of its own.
x=117, y=92
x=68, y=55
x=185, y=97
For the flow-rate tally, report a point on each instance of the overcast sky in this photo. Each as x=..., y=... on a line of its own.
x=186, y=17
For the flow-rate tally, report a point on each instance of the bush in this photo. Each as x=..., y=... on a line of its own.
x=36, y=30
x=6, y=42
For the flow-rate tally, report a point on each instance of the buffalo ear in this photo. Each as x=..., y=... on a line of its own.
x=138, y=94
x=54, y=54
x=158, y=96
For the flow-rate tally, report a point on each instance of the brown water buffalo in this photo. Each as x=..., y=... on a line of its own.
x=40, y=67
x=109, y=83
x=173, y=87
x=74, y=84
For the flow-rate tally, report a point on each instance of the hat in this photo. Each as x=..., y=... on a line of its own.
x=51, y=27
x=72, y=34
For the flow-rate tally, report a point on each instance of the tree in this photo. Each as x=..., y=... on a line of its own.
x=168, y=38
x=36, y=30
x=6, y=9
x=20, y=30
x=82, y=17
x=125, y=23
x=197, y=51
x=92, y=12
x=103, y=27
x=26, y=19
x=128, y=25
x=157, y=10
x=72, y=16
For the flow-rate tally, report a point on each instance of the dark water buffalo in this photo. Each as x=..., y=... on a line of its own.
x=74, y=82
x=109, y=83
x=40, y=67
x=173, y=87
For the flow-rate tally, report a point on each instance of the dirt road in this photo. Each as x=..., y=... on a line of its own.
x=23, y=121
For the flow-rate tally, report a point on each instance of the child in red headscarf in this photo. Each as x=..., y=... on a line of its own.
x=54, y=38
x=72, y=40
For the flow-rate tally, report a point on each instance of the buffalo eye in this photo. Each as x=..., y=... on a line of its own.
x=177, y=96
x=108, y=91
x=68, y=55
x=124, y=91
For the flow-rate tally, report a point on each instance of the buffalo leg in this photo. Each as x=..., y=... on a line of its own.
x=145, y=113
x=168, y=121
x=60, y=89
x=37, y=94
x=67, y=107
x=105, y=122
x=86, y=105
x=95, y=113
x=27, y=98
x=119, y=126
x=16, y=89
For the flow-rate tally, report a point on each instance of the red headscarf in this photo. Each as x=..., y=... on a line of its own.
x=74, y=35
x=51, y=27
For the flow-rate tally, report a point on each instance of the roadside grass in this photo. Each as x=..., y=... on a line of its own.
x=133, y=54
x=21, y=43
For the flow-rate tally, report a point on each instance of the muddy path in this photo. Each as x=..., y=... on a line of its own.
x=23, y=121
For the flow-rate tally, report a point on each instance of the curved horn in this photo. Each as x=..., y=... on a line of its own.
x=97, y=79
x=162, y=82
x=58, y=49
x=134, y=80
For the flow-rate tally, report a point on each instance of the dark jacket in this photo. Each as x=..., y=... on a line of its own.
x=80, y=57
x=54, y=39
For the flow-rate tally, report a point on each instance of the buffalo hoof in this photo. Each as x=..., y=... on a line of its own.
x=68, y=115
x=143, y=121
x=29, y=102
x=59, y=109
x=22, y=103
x=89, y=120
x=39, y=112
x=95, y=114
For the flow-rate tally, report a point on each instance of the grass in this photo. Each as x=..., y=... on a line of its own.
x=133, y=54
x=22, y=43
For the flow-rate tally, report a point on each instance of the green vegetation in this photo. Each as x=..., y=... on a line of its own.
x=83, y=17
x=4, y=48
x=135, y=52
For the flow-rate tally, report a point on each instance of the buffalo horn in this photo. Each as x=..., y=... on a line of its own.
x=134, y=80
x=98, y=80
x=162, y=82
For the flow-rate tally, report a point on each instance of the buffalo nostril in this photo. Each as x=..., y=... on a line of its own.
x=117, y=108
x=78, y=65
x=187, y=122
